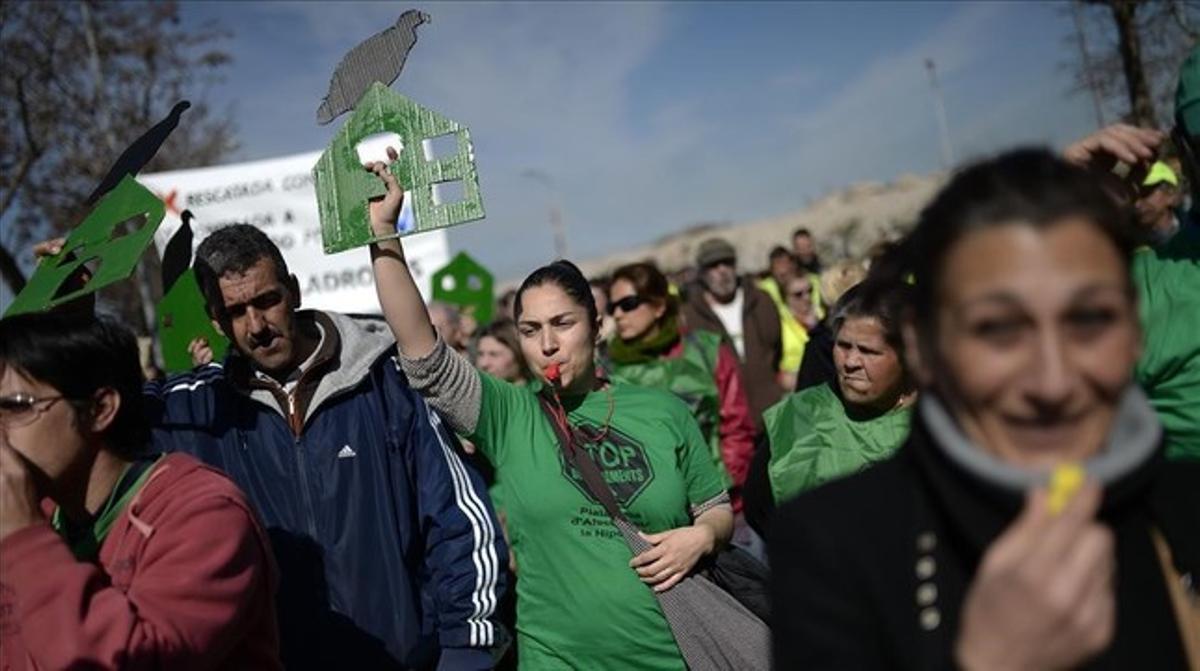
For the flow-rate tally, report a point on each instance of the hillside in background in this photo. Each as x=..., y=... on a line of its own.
x=845, y=223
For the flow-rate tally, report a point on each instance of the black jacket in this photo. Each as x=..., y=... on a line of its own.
x=817, y=367
x=845, y=560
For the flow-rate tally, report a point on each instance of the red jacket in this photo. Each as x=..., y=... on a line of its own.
x=185, y=581
x=737, y=424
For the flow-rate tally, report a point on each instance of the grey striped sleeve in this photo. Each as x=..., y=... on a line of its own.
x=450, y=383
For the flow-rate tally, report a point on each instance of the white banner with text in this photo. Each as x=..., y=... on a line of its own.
x=277, y=196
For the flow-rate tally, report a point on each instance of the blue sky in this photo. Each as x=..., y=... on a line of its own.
x=648, y=117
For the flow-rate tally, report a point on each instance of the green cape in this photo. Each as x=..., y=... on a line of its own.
x=813, y=440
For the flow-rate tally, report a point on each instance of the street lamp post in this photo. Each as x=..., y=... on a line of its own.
x=557, y=228
x=939, y=106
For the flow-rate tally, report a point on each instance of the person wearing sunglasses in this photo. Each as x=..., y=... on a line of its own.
x=112, y=556
x=798, y=316
x=652, y=349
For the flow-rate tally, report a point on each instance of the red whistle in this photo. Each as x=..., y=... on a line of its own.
x=552, y=373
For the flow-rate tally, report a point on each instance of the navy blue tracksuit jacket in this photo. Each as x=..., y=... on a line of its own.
x=387, y=544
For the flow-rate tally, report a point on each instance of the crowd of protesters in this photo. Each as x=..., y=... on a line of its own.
x=977, y=447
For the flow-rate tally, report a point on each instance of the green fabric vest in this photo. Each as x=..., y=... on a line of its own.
x=691, y=377
x=814, y=441
x=1168, y=285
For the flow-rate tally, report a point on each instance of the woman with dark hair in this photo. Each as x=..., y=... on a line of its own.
x=816, y=363
x=1029, y=521
x=499, y=354
x=582, y=600
x=135, y=560
x=652, y=349
x=832, y=430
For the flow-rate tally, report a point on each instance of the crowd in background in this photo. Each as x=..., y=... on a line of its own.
x=976, y=446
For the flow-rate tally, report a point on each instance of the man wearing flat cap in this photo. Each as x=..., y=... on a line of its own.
x=743, y=315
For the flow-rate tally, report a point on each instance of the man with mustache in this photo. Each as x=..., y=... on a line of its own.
x=385, y=538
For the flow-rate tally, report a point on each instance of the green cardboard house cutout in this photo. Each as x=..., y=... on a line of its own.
x=465, y=283
x=344, y=187
x=93, y=242
x=181, y=318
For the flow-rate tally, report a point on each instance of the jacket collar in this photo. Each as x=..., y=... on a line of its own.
x=348, y=351
x=751, y=296
x=980, y=495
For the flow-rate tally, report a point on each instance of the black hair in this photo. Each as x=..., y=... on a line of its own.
x=233, y=249
x=649, y=282
x=778, y=252
x=882, y=299
x=801, y=232
x=566, y=276
x=1033, y=187
x=78, y=356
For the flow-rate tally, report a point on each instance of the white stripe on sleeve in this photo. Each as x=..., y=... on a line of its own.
x=483, y=554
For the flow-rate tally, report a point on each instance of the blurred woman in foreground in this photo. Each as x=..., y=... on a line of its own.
x=1023, y=338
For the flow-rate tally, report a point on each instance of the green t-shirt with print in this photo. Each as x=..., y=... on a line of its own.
x=579, y=604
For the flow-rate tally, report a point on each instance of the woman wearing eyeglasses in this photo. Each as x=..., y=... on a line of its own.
x=796, y=322
x=111, y=557
x=583, y=600
x=652, y=349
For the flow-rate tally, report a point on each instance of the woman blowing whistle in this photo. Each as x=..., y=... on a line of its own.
x=582, y=601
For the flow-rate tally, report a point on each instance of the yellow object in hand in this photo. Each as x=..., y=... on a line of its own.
x=1064, y=482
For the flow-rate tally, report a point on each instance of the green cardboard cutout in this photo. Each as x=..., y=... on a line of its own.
x=465, y=283
x=181, y=318
x=344, y=187
x=93, y=242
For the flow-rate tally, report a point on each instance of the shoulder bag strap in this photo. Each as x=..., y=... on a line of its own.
x=1187, y=608
x=581, y=460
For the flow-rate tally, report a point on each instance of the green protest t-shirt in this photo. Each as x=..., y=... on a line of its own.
x=814, y=441
x=579, y=604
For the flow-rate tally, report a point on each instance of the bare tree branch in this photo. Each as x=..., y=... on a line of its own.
x=80, y=79
x=10, y=271
x=1134, y=49
x=32, y=153
x=1181, y=20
